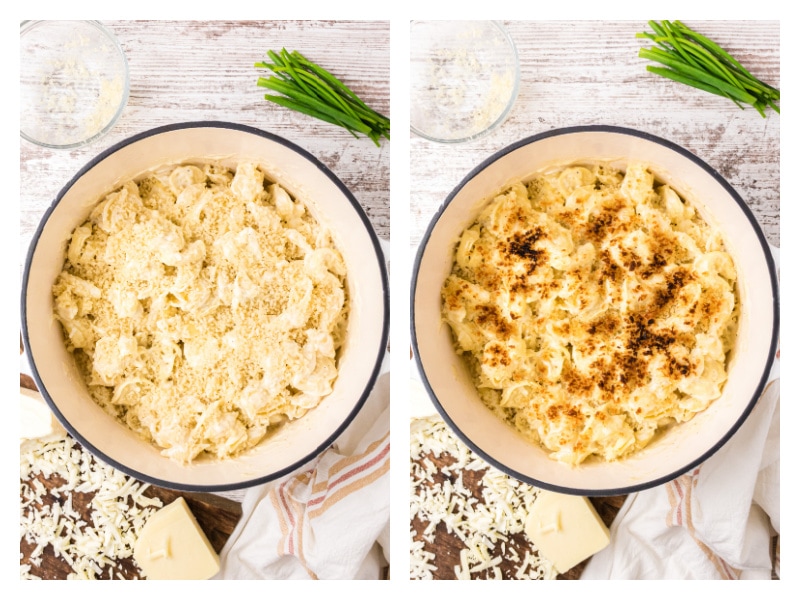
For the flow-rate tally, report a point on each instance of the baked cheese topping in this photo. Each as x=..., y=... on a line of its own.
x=204, y=307
x=594, y=307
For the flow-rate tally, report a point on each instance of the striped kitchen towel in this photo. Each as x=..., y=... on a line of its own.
x=328, y=520
x=718, y=521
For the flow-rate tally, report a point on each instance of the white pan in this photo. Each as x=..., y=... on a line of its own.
x=304, y=177
x=682, y=447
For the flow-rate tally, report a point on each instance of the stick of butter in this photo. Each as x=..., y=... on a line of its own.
x=566, y=529
x=36, y=420
x=171, y=545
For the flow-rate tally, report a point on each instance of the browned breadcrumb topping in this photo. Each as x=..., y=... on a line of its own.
x=582, y=291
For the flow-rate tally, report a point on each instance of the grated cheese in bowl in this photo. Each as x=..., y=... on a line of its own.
x=461, y=502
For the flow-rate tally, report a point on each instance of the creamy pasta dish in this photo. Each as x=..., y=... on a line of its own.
x=594, y=307
x=204, y=307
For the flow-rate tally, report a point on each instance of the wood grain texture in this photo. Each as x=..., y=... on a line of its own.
x=204, y=70
x=216, y=515
x=588, y=73
x=446, y=546
x=573, y=73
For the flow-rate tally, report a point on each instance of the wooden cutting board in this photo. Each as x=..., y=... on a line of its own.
x=217, y=516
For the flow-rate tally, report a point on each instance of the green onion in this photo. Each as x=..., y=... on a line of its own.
x=308, y=88
x=694, y=60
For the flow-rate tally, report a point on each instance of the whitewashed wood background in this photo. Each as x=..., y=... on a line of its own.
x=573, y=73
x=204, y=70
x=588, y=72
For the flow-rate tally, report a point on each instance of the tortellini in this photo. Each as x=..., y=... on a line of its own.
x=205, y=306
x=593, y=307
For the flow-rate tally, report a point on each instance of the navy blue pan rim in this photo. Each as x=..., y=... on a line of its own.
x=378, y=360
x=775, y=304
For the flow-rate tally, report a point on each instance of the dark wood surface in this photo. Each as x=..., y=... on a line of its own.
x=447, y=546
x=217, y=517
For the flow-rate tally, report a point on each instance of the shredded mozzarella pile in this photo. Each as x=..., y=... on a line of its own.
x=488, y=527
x=119, y=509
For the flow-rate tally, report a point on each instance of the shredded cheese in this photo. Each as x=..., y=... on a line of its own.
x=489, y=523
x=91, y=547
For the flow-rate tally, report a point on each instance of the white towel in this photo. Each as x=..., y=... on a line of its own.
x=715, y=522
x=329, y=519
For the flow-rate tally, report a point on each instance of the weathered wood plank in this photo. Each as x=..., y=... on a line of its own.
x=588, y=72
x=204, y=70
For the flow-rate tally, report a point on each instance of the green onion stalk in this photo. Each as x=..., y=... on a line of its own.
x=693, y=59
x=304, y=86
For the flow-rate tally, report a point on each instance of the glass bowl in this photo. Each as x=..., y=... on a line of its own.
x=73, y=82
x=464, y=78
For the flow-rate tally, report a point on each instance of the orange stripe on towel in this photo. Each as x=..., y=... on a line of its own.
x=366, y=476
x=679, y=495
x=323, y=485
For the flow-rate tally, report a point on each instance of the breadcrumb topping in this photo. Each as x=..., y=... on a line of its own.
x=204, y=307
x=594, y=307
